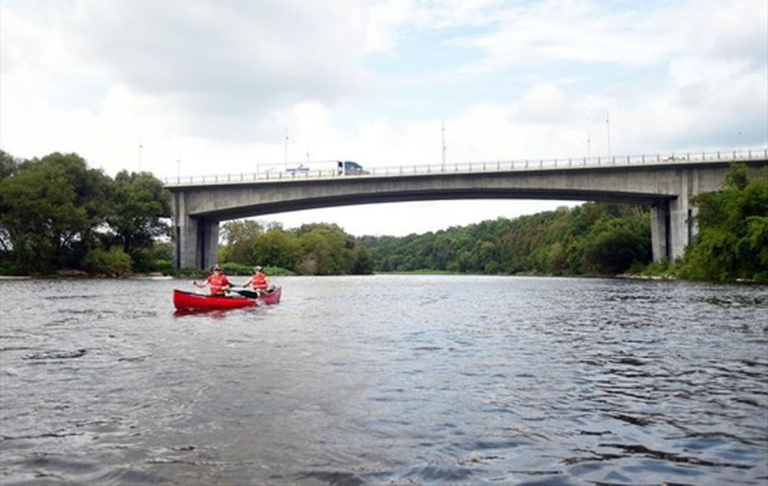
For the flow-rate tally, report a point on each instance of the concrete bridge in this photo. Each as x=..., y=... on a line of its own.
x=666, y=184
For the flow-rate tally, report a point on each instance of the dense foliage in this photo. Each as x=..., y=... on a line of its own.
x=593, y=238
x=733, y=231
x=314, y=249
x=56, y=213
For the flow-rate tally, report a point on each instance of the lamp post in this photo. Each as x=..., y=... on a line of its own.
x=286, y=148
x=608, y=124
x=444, y=149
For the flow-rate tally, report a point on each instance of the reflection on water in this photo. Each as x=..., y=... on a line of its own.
x=386, y=380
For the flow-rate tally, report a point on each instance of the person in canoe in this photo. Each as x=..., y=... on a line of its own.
x=258, y=281
x=217, y=282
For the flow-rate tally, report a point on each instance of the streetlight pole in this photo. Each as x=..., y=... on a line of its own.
x=286, y=148
x=444, y=148
x=608, y=124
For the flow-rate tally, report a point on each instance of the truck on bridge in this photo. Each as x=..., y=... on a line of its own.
x=343, y=167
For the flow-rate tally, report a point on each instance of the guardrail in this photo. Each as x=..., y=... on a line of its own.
x=471, y=167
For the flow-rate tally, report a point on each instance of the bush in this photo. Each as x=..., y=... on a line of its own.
x=232, y=268
x=8, y=268
x=163, y=266
x=113, y=263
x=278, y=272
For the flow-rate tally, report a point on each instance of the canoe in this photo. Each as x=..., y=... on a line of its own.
x=271, y=298
x=189, y=300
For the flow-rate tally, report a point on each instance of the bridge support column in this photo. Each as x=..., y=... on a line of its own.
x=208, y=242
x=660, y=231
x=683, y=227
x=673, y=227
x=196, y=240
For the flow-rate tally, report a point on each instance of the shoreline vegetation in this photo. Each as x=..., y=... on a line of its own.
x=61, y=219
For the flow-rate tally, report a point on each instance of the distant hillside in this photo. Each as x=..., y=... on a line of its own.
x=591, y=239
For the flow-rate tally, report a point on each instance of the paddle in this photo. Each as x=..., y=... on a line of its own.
x=245, y=293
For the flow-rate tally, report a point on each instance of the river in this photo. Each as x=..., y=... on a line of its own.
x=386, y=380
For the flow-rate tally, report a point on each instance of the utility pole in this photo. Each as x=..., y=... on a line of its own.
x=141, y=146
x=608, y=124
x=444, y=148
x=286, y=148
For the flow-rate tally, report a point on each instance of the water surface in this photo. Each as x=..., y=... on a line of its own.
x=386, y=380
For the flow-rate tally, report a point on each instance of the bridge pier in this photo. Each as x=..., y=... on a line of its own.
x=660, y=231
x=673, y=228
x=196, y=240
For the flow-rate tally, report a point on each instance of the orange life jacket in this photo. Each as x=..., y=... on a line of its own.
x=259, y=281
x=218, y=284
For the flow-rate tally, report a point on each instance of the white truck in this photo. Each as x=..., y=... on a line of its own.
x=342, y=167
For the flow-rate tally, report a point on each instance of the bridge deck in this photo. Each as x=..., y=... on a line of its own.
x=475, y=167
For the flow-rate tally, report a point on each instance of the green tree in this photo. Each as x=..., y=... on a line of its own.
x=615, y=246
x=239, y=238
x=52, y=211
x=733, y=230
x=278, y=248
x=139, y=205
x=8, y=164
x=322, y=248
x=112, y=263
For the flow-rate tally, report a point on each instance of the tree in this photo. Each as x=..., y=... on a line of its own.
x=8, y=164
x=277, y=248
x=733, y=230
x=140, y=204
x=52, y=209
x=239, y=238
x=323, y=251
x=615, y=247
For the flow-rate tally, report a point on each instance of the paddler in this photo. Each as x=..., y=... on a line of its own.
x=217, y=282
x=258, y=281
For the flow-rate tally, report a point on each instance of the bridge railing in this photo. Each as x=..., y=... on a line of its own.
x=476, y=166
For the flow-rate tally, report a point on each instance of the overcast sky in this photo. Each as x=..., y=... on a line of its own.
x=210, y=87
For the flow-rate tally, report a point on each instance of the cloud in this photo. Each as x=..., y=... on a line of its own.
x=220, y=81
x=221, y=66
x=545, y=102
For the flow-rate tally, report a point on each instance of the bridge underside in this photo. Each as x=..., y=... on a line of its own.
x=197, y=234
x=266, y=208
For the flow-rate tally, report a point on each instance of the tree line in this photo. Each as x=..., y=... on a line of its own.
x=599, y=239
x=591, y=239
x=56, y=213
x=312, y=249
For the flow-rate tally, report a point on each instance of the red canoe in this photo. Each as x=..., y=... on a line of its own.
x=272, y=297
x=188, y=300
x=191, y=301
